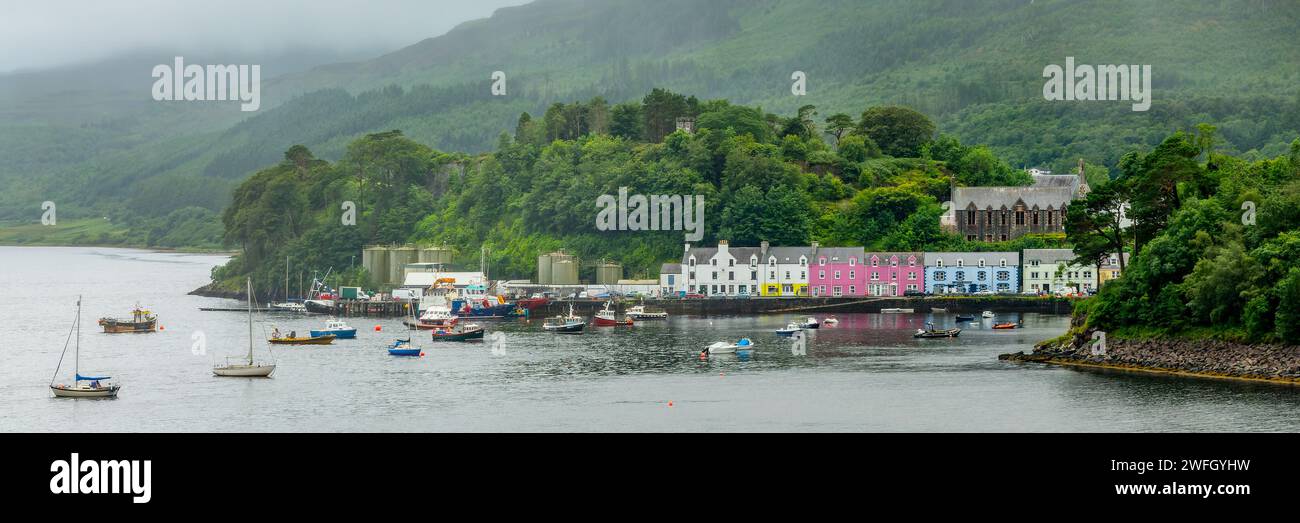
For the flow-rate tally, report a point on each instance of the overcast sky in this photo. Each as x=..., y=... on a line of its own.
x=36, y=34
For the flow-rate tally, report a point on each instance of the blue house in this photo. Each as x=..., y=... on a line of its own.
x=971, y=272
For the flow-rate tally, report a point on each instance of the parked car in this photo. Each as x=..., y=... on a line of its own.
x=693, y=295
x=913, y=293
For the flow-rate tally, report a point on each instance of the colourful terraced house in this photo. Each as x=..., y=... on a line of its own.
x=837, y=271
x=893, y=273
x=785, y=270
x=972, y=272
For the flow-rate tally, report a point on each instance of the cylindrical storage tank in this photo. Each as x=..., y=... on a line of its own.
x=436, y=255
x=608, y=273
x=564, y=272
x=375, y=260
x=398, y=257
x=544, y=269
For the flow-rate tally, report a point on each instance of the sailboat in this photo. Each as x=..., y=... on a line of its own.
x=93, y=386
x=249, y=369
x=286, y=305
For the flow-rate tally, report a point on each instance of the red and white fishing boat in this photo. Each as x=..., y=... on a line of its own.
x=606, y=318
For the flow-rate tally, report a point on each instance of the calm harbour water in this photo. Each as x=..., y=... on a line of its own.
x=867, y=374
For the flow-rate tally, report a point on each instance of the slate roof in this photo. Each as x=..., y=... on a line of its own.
x=839, y=254
x=998, y=197
x=1049, y=255
x=971, y=259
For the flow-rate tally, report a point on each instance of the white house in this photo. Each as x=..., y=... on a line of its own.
x=721, y=270
x=785, y=270
x=670, y=279
x=1050, y=270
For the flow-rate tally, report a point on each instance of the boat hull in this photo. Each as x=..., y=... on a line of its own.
x=404, y=352
x=950, y=333
x=604, y=322
x=85, y=392
x=244, y=371
x=315, y=340
x=320, y=306
x=112, y=326
x=565, y=329
x=475, y=334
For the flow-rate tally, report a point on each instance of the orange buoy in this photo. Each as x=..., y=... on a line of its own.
x=378, y=328
x=421, y=354
x=670, y=403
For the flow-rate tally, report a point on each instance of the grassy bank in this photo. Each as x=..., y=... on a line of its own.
x=89, y=232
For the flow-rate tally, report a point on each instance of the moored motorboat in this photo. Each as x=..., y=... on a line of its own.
x=831, y=321
x=722, y=347
x=294, y=339
x=1007, y=325
x=933, y=333
x=338, y=328
x=562, y=324
x=459, y=332
x=987, y=314
x=82, y=386
x=606, y=318
x=141, y=321
x=290, y=307
x=640, y=312
x=811, y=323
x=964, y=318
x=897, y=311
x=789, y=329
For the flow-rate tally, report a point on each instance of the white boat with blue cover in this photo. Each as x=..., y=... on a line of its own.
x=722, y=347
x=338, y=328
x=82, y=386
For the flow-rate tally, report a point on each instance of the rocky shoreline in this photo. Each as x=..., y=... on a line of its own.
x=1204, y=358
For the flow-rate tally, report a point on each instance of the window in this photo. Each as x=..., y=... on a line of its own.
x=839, y=291
x=1033, y=263
x=911, y=275
x=1004, y=237
x=803, y=275
x=771, y=262
x=980, y=275
x=715, y=275
x=731, y=275
x=875, y=275
x=803, y=262
x=787, y=275
x=971, y=237
x=753, y=261
x=1087, y=274
x=692, y=262
x=911, y=286
x=938, y=263
x=692, y=275
x=893, y=262
x=731, y=263
x=940, y=275
x=961, y=275
x=773, y=276
x=852, y=290
x=1004, y=275
x=970, y=217
x=911, y=261
x=714, y=261
x=961, y=263
x=853, y=275
x=875, y=262
x=1033, y=275
x=821, y=261
x=821, y=275
x=753, y=275
x=1020, y=217
x=1035, y=215
x=981, y=262
x=837, y=275
x=852, y=261
x=1002, y=262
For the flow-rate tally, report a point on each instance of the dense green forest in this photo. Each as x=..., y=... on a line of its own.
x=1217, y=239
x=873, y=179
x=973, y=67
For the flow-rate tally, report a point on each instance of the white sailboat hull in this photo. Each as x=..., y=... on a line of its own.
x=85, y=392
x=244, y=371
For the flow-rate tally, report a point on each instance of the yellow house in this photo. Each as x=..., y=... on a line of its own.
x=1110, y=269
x=785, y=270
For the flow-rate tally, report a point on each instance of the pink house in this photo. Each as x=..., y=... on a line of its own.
x=837, y=271
x=893, y=273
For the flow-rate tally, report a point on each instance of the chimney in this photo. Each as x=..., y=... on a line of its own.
x=688, y=248
x=762, y=246
x=722, y=246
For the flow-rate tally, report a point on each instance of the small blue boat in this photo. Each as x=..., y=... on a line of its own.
x=403, y=348
x=338, y=328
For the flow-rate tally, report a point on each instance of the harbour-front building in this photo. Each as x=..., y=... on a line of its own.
x=785, y=270
x=721, y=270
x=972, y=272
x=894, y=273
x=837, y=271
x=1049, y=271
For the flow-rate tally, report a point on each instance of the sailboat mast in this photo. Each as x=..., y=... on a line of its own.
x=286, y=278
x=250, y=320
x=76, y=365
